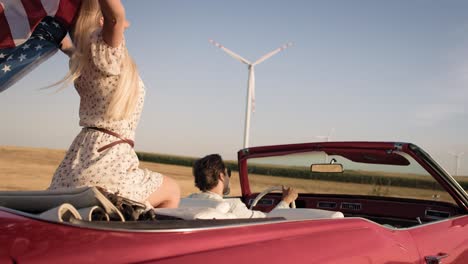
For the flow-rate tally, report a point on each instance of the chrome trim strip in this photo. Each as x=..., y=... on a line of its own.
x=36, y=217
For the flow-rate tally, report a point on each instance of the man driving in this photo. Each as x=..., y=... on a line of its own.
x=212, y=178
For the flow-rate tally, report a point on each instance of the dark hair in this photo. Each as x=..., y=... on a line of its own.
x=206, y=171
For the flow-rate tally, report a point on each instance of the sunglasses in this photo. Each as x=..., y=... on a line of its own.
x=228, y=172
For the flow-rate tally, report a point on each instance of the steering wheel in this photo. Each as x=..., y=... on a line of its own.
x=265, y=192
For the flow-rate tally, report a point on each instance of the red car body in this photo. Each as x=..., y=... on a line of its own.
x=352, y=239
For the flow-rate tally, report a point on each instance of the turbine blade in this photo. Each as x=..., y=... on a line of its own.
x=231, y=53
x=268, y=55
x=252, y=87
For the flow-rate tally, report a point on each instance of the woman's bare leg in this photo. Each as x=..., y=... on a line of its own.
x=167, y=195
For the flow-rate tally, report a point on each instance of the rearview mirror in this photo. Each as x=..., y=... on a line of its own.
x=326, y=167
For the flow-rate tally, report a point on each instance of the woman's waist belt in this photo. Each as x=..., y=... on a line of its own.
x=106, y=131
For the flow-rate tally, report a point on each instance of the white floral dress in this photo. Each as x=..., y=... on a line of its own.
x=115, y=168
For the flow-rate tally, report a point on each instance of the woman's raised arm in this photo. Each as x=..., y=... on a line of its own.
x=114, y=21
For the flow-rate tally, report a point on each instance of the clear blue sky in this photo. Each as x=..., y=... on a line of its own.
x=372, y=70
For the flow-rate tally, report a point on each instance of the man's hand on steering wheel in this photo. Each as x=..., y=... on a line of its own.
x=289, y=195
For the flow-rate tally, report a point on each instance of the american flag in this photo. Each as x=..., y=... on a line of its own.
x=30, y=32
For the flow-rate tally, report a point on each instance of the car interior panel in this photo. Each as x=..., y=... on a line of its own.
x=394, y=212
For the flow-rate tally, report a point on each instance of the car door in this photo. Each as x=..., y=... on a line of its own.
x=444, y=241
x=347, y=241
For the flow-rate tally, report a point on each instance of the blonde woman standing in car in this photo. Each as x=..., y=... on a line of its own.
x=111, y=100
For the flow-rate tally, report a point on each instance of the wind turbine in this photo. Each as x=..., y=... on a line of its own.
x=328, y=137
x=457, y=160
x=250, y=106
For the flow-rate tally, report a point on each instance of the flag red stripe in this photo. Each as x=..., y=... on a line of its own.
x=67, y=10
x=66, y=14
x=6, y=40
x=35, y=12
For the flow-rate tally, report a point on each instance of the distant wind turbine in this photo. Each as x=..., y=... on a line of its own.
x=328, y=137
x=250, y=107
x=457, y=160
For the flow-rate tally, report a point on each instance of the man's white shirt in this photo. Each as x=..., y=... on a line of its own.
x=237, y=207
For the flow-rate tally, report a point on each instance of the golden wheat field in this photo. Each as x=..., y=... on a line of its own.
x=32, y=169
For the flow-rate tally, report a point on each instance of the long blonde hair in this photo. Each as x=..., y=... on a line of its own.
x=125, y=97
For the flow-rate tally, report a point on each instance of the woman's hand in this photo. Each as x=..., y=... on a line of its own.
x=66, y=46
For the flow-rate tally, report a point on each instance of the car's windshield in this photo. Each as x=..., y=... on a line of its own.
x=403, y=177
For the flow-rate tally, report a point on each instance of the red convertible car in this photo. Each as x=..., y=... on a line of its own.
x=359, y=202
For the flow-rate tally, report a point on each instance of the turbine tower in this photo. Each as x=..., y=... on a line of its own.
x=457, y=160
x=250, y=106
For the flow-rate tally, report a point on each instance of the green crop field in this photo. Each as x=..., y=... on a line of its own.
x=350, y=176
